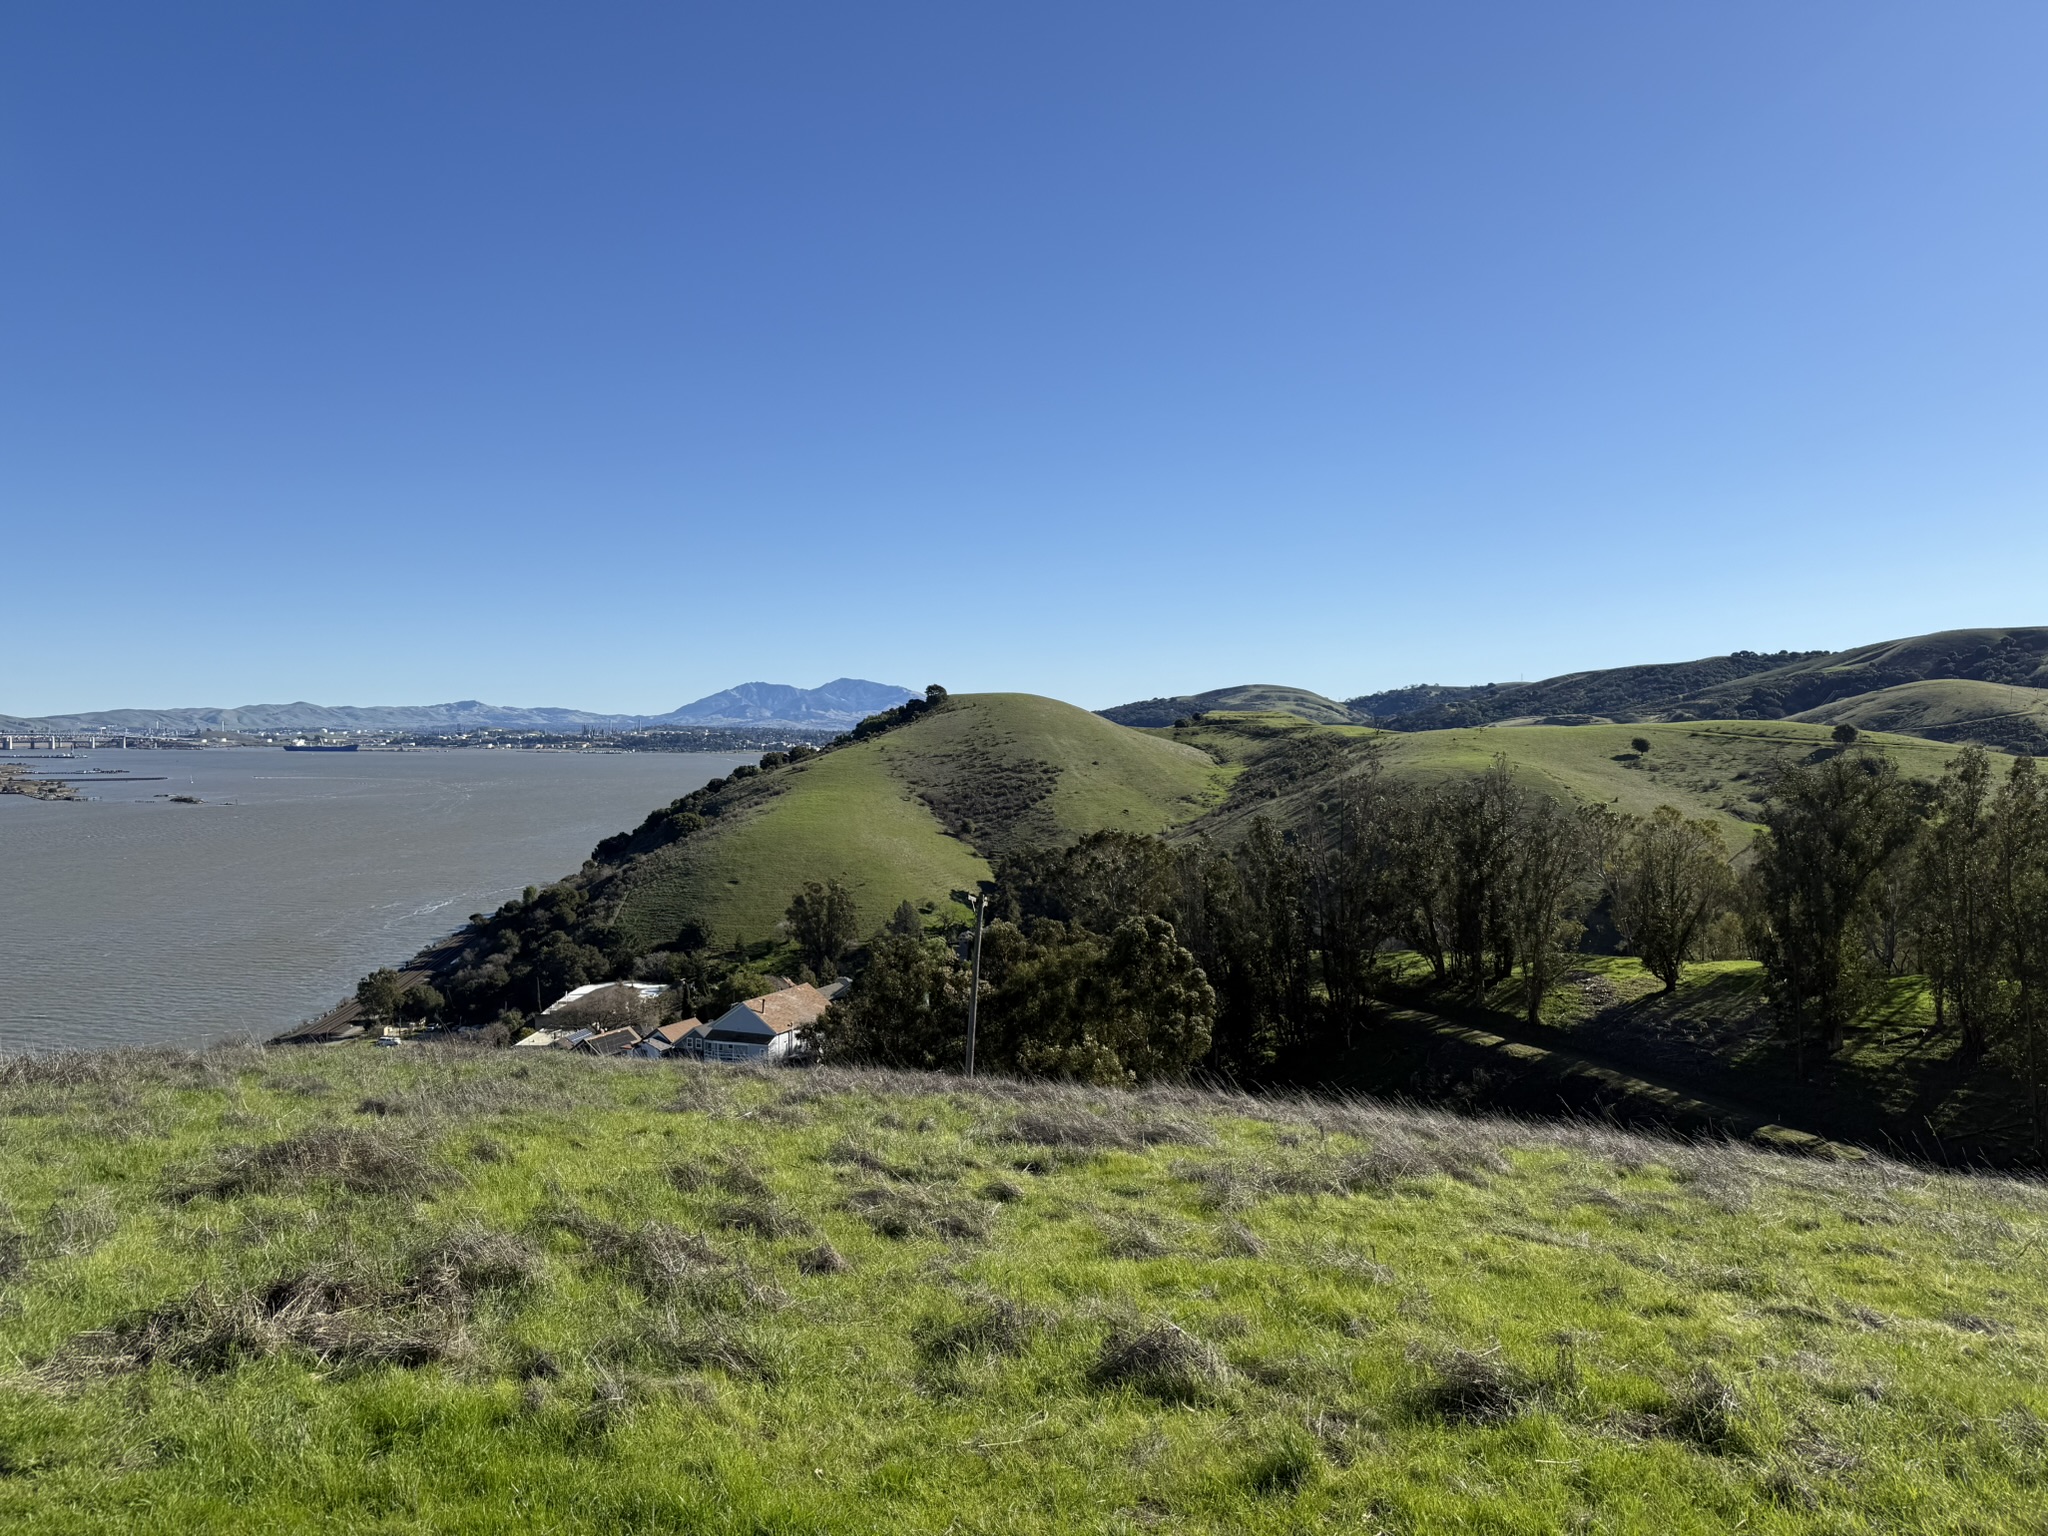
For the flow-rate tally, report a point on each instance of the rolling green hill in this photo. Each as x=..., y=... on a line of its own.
x=1948, y=709
x=1744, y=685
x=470, y=1292
x=1705, y=768
x=1247, y=698
x=915, y=813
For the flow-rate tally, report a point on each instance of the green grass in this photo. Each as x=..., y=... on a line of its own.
x=1932, y=702
x=841, y=816
x=1709, y=768
x=915, y=814
x=576, y=1296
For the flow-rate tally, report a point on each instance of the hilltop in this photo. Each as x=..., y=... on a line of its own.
x=1983, y=685
x=1248, y=698
x=914, y=813
x=383, y=1290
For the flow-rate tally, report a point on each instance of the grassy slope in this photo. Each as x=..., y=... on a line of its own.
x=1932, y=704
x=641, y=1357
x=856, y=814
x=842, y=816
x=1110, y=776
x=1692, y=766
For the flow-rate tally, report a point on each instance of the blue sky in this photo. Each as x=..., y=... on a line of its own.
x=606, y=355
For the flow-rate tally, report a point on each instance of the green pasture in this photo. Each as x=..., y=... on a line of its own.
x=366, y=1291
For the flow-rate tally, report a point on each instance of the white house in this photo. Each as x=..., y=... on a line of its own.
x=766, y=1028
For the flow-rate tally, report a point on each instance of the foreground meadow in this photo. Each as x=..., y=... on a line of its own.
x=356, y=1290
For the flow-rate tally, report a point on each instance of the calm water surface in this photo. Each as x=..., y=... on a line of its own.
x=126, y=919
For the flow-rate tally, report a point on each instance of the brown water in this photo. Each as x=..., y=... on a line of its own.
x=126, y=919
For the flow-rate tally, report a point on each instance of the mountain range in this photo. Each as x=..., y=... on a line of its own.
x=1984, y=685
x=837, y=705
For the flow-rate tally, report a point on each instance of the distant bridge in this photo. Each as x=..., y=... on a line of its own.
x=74, y=741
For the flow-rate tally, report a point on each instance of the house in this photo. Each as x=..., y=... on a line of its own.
x=539, y=1040
x=768, y=1028
x=613, y=1042
x=670, y=1037
x=646, y=989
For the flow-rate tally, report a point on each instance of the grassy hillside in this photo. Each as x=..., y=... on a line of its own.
x=1747, y=685
x=1247, y=698
x=1706, y=768
x=367, y=1291
x=1948, y=709
x=916, y=813
x=841, y=816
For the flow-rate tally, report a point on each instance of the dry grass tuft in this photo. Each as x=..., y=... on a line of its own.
x=473, y=1260
x=822, y=1260
x=1468, y=1388
x=339, y=1321
x=985, y=1327
x=1704, y=1412
x=1158, y=1360
x=672, y=1343
x=760, y=1217
x=1127, y=1239
x=362, y=1162
x=1104, y=1130
x=914, y=1211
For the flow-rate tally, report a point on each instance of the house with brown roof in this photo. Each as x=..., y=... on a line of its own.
x=768, y=1028
x=670, y=1037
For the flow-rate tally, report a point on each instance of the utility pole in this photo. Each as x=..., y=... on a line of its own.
x=974, y=991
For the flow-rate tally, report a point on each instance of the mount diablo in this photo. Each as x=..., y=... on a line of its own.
x=839, y=704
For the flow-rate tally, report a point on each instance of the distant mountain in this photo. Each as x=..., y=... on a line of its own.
x=835, y=706
x=466, y=715
x=1983, y=685
x=843, y=702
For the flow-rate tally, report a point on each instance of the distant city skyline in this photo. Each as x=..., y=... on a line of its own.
x=607, y=357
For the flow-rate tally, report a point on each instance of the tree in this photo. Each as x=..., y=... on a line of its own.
x=1669, y=878
x=1844, y=735
x=934, y=695
x=420, y=1003
x=1640, y=744
x=909, y=1009
x=1478, y=820
x=905, y=923
x=1349, y=865
x=1829, y=828
x=2019, y=888
x=378, y=995
x=822, y=921
x=1553, y=859
x=1118, y=1009
x=1953, y=912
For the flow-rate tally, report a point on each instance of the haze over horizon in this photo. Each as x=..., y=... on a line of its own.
x=604, y=358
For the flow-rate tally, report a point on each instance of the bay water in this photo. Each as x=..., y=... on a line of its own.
x=129, y=919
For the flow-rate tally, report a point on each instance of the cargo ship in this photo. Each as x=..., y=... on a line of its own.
x=320, y=746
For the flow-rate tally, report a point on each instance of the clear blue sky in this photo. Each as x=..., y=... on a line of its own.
x=606, y=355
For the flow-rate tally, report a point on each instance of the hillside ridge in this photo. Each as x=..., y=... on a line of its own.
x=1831, y=687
